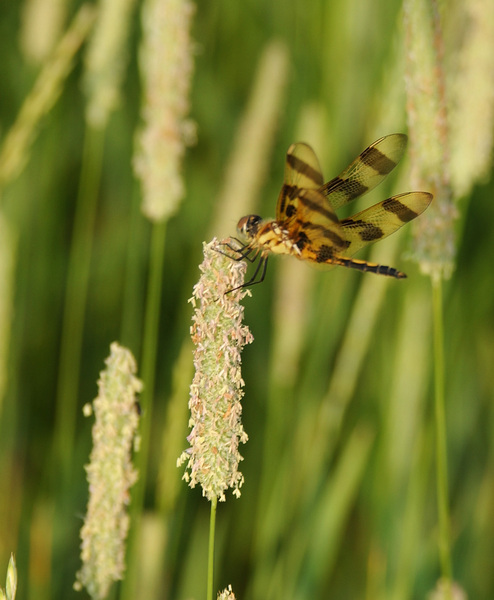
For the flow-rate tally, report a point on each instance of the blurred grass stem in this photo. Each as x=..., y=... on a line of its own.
x=441, y=446
x=150, y=344
x=212, y=525
x=75, y=299
x=132, y=307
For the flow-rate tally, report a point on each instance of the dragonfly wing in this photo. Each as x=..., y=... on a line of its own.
x=302, y=171
x=366, y=171
x=382, y=219
x=302, y=210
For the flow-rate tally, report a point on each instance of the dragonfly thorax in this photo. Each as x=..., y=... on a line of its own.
x=267, y=235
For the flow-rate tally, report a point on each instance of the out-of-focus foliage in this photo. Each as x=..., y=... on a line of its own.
x=339, y=492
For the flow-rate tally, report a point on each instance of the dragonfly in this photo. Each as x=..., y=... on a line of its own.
x=306, y=225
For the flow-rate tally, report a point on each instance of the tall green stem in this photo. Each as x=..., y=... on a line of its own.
x=441, y=445
x=75, y=299
x=150, y=345
x=212, y=525
x=150, y=348
x=132, y=309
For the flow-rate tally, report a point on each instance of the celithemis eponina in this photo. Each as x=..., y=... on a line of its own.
x=306, y=225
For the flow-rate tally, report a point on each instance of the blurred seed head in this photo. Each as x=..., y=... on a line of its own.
x=41, y=27
x=166, y=65
x=106, y=58
x=445, y=590
x=110, y=474
x=472, y=95
x=11, y=581
x=226, y=594
x=434, y=241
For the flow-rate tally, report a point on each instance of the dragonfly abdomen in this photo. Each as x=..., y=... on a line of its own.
x=363, y=265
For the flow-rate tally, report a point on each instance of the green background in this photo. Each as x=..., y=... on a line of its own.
x=367, y=528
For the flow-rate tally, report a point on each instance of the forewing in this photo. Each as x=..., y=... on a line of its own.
x=314, y=225
x=366, y=171
x=302, y=171
x=382, y=219
x=302, y=167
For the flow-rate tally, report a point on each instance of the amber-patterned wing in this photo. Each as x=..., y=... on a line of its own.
x=327, y=245
x=302, y=171
x=302, y=209
x=382, y=219
x=366, y=171
x=302, y=167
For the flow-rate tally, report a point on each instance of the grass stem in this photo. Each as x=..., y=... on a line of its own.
x=212, y=524
x=75, y=299
x=441, y=446
x=150, y=345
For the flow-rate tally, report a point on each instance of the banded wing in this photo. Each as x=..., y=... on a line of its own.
x=302, y=171
x=382, y=219
x=302, y=209
x=366, y=171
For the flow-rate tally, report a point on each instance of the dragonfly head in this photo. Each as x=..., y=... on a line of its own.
x=248, y=226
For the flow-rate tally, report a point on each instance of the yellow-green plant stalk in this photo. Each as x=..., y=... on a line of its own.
x=106, y=59
x=10, y=582
x=168, y=483
x=41, y=26
x=434, y=240
x=166, y=69
x=8, y=252
x=166, y=65
x=110, y=474
x=14, y=152
x=217, y=388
